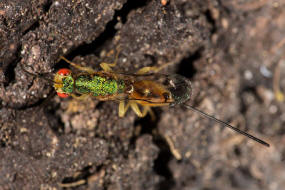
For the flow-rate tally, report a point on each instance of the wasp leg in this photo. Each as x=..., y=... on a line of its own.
x=137, y=110
x=153, y=69
x=145, y=70
x=173, y=150
x=151, y=113
x=123, y=109
x=146, y=109
x=81, y=97
x=86, y=69
x=107, y=66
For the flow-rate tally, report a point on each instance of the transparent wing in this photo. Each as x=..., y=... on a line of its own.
x=156, y=88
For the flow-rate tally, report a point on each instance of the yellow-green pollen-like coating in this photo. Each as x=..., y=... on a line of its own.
x=97, y=85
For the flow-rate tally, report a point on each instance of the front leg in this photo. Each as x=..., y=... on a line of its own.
x=81, y=97
x=86, y=69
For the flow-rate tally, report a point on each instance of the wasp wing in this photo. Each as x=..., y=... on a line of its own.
x=155, y=88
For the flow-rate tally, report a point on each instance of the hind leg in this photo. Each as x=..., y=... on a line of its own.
x=153, y=69
x=143, y=113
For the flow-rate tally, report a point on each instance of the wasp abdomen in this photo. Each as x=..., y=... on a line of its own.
x=180, y=89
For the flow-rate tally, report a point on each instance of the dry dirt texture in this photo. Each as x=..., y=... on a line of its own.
x=231, y=50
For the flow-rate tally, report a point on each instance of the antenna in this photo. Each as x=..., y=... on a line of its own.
x=37, y=75
x=226, y=125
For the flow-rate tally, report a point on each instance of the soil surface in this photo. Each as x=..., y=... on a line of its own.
x=231, y=50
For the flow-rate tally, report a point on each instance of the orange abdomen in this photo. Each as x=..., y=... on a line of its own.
x=150, y=93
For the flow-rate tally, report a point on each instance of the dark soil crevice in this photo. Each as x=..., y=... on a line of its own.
x=82, y=175
x=9, y=70
x=186, y=66
x=161, y=163
x=109, y=32
x=211, y=21
x=32, y=27
x=47, y=6
x=225, y=9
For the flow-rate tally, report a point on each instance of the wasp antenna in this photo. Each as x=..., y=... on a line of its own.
x=37, y=75
x=227, y=125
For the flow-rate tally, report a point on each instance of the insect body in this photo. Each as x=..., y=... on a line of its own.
x=147, y=90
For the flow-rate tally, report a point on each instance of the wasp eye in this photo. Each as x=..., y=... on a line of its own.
x=62, y=95
x=64, y=72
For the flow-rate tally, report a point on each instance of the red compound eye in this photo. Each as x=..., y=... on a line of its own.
x=62, y=95
x=64, y=72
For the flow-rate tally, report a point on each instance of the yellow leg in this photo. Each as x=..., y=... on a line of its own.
x=86, y=69
x=81, y=97
x=146, y=109
x=154, y=69
x=107, y=66
x=151, y=113
x=123, y=109
x=136, y=109
x=145, y=70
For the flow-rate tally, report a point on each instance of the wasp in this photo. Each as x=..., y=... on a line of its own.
x=130, y=90
x=146, y=88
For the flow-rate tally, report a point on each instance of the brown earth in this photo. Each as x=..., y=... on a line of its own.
x=231, y=50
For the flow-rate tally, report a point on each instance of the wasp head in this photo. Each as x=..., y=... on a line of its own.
x=63, y=83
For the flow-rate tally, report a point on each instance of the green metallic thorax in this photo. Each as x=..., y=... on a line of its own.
x=67, y=84
x=93, y=85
